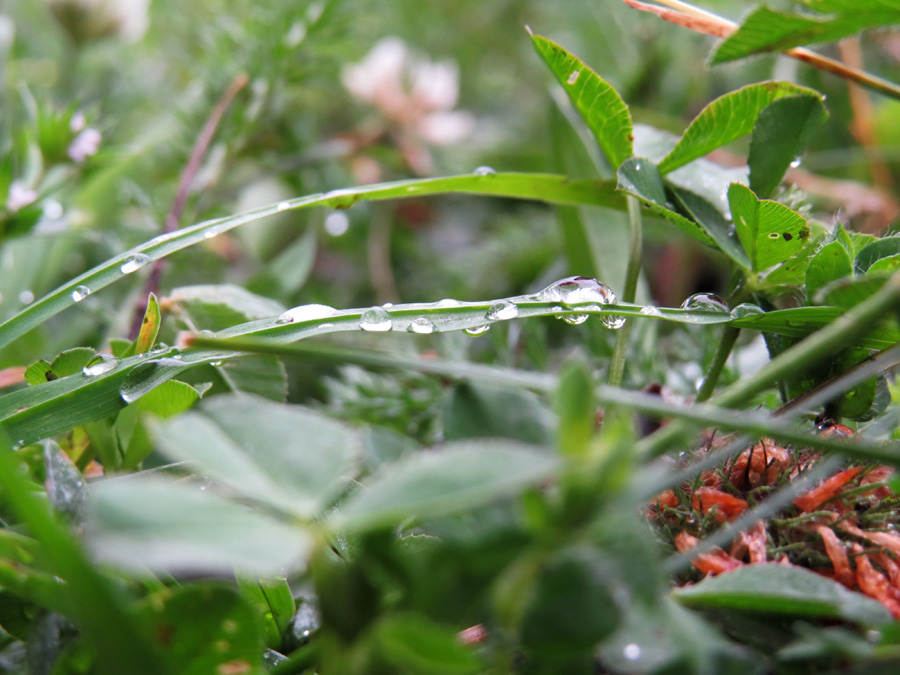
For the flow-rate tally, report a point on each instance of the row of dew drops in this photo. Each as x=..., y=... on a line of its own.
x=581, y=292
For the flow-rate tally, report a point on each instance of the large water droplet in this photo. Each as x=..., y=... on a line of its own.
x=475, y=331
x=134, y=262
x=502, y=311
x=746, y=310
x=796, y=162
x=577, y=291
x=705, y=302
x=26, y=297
x=80, y=293
x=612, y=321
x=632, y=652
x=574, y=319
x=376, y=319
x=99, y=363
x=306, y=313
x=484, y=171
x=337, y=223
x=282, y=206
x=212, y=232
x=650, y=310
x=421, y=326
x=448, y=302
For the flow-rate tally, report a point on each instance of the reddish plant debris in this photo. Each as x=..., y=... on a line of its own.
x=728, y=507
x=472, y=635
x=760, y=465
x=829, y=489
x=875, y=584
x=834, y=547
x=714, y=562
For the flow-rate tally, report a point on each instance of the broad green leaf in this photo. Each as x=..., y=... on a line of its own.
x=286, y=456
x=782, y=589
x=71, y=361
x=766, y=30
x=640, y=178
x=572, y=607
x=39, y=372
x=204, y=628
x=413, y=643
x=882, y=248
x=792, y=272
x=713, y=222
x=850, y=291
x=217, y=306
x=884, y=266
x=143, y=524
x=481, y=411
x=782, y=131
x=599, y=105
x=575, y=408
x=855, y=403
x=273, y=601
x=169, y=399
x=831, y=262
x=452, y=478
x=257, y=375
x=770, y=232
x=726, y=119
x=538, y=187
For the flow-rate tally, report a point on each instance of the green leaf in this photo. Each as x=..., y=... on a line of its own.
x=415, y=644
x=481, y=411
x=831, y=262
x=781, y=589
x=726, y=119
x=286, y=456
x=884, y=266
x=770, y=232
x=169, y=399
x=455, y=477
x=143, y=524
x=882, y=248
x=218, y=306
x=71, y=361
x=205, y=628
x=38, y=373
x=576, y=409
x=290, y=269
x=599, y=105
x=539, y=187
x=572, y=608
x=792, y=272
x=766, y=30
x=273, y=601
x=782, y=131
x=257, y=375
x=640, y=178
x=713, y=222
x=149, y=327
x=850, y=291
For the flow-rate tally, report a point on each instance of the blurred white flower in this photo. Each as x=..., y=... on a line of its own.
x=413, y=94
x=84, y=145
x=20, y=196
x=87, y=20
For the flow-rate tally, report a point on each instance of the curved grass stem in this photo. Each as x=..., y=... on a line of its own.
x=723, y=351
x=632, y=274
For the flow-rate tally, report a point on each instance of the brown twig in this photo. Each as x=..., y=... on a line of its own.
x=198, y=152
x=684, y=14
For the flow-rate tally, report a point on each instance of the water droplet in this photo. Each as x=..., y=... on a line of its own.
x=573, y=77
x=475, y=331
x=577, y=291
x=283, y=206
x=216, y=364
x=212, y=232
x=574, y=319
x=99, y=363
x=705, y=302
x=632, y=652
x=53, y=209
x=80, y=293
x=746, y=310
x=637, y=166
x=795, y=163
x=873, y=636
x=134, y=262
x=26, y=297
x=306, y=313
x=650, y=310
x=502, y=311
x=388, y=305
x=159, y=348
x=612, y=321
x=376, y=320
x=448, y=302
x=421, y=326
x=484, y=171
x=337, y=223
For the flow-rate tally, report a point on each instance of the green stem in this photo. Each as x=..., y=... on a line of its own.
x=632, y=274
x=797, y=359
x=723, y=351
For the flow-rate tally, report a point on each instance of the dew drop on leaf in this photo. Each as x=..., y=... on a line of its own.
x=574, y=319
x=746, y=310
x=577, y=291
x=305, y=313
x=134, y=262
x=475, y=331
x=705, y=302
x=421, y=326
x=502, y=311
x=484, y=171
x=99, y=363
x=376, y=320
x=651, y=310
x=80, y=293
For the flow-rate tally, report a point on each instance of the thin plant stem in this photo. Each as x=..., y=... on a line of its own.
x=198, y=152
x=723, y=351
x=632, y=274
